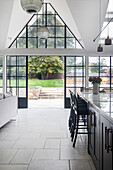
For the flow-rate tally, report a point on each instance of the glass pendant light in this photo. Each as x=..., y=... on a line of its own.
x=31, y=6
x=100, y=48
x=43, y=31
x=108, y=40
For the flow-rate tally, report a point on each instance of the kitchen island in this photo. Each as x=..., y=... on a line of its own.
x=8, y=109
x=100, y=127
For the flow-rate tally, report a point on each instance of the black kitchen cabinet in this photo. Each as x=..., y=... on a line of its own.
x=106, y=143
x=94, y=136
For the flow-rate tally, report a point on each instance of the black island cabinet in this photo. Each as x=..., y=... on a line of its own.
x=100, y=129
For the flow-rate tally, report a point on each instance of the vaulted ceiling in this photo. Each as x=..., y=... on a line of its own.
x=81, y=16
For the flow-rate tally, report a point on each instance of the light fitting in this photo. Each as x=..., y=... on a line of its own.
x=100, y=48
x=108, y=41
x=31, y=6
x=43, y=32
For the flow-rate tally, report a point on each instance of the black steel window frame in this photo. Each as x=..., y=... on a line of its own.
x=17, y=86
x=99, y=72
x=75, y=76
x=1, y=77
x=14, y=44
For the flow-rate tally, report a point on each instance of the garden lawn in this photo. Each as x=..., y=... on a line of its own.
x=45, y=83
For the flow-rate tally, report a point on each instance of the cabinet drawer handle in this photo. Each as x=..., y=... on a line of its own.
x=91, y=115
x=105, y=138
x=107, y=147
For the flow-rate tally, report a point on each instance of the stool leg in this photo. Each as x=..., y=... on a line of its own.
x=74, y=126
x=76, y=131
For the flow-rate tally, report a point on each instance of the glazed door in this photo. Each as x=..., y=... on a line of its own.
x=74, y=76
x=17, y=78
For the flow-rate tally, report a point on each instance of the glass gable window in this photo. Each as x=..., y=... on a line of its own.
x=60, y=35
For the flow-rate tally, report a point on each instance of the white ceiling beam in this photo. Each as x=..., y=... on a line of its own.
x=54, y=52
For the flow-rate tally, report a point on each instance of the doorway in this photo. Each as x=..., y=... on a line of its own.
x=46, y=82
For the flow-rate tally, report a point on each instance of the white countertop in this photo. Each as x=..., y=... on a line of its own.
x=103, y=101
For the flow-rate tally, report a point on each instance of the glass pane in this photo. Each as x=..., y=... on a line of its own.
x=104, y=71
x=33, y=20
x=12, y=61
x=32, y=31
x=32, y=42
x=1, y=82
x=23, y=33
x=75, y=90
x=104, y=61
x=70, y=81
x=22, y=82
x=21, y=60
x=13, y=45
x=50, y=19
x=93, y=71
x=79, y=71
x=1, y=71
x=59, y=31
x=13, y=71
x=68, y=33
x=70, y=71
x=105, y=82
x=78, y=46
x=58, y=21
x=41, y=43
x=13, y=81
x=93, y=61
x=79, y=61
x=13, y=91
x=70, y=61
x=22, y=92
x=22, y=71
x=78, y=82
x=50, y=42
x=41, y=20
x=111, y=81
x=50, y=10
x=52, y=31
x=59, y=42
x=21, y=43
x=70, y=42
x=112, y=61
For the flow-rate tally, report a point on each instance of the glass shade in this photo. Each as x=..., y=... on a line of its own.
x=31, y=6
x=43, y=32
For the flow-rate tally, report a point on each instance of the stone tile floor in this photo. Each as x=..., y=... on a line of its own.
x=46, y=103
x=39, y=140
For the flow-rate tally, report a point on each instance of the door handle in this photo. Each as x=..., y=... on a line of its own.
x=91, y=115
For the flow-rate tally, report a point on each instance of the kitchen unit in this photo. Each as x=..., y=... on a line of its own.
x=100, y=126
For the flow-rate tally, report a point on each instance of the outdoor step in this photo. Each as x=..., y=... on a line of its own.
x=42, y=97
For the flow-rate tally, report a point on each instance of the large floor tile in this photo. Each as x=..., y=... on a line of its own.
x=6, y=144
x=23, y=156
x=13, y=167
x=52, y=143
x=48, y=165
x=6, y=155
x=46, y=154
x=25, y=144
x=78, y=165
x=70, y=153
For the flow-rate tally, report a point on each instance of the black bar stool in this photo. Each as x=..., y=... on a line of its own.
x=81, y=118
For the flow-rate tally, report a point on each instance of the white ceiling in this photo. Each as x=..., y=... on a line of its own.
x=81, y=16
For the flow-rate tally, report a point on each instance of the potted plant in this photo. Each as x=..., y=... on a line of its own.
x=95, y=81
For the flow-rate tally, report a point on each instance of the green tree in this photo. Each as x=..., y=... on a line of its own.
x=45, y=65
